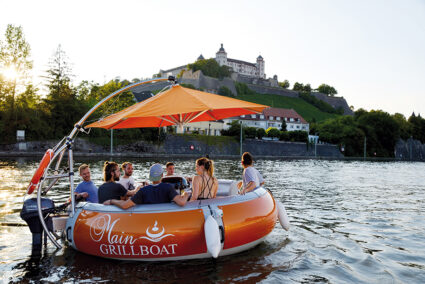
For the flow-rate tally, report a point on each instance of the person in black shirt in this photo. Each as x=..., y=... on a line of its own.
x=152, y=194
x=110, y=189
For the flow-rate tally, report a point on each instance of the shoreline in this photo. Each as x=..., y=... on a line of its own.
x=22, y=154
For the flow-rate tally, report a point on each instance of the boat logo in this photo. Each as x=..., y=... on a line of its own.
x=154, y=235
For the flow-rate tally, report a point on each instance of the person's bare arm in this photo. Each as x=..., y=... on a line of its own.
x=249, y=187
x=123, y=204
x=181, y=199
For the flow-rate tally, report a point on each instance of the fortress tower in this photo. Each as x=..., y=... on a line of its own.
x=221, y=56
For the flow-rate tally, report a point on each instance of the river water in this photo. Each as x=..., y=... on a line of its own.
x=351, y=222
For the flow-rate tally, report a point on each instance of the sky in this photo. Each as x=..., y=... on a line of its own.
x=371, y=51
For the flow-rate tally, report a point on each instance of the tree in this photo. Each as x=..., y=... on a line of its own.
x=64, y=110
x=298, y=87
x=233, y=130
x=250, y=132
x=224, y=91
x=261, y=132
x=210, y=67
x=285, y=84
x=328, y=90
x=272, y=132
x=15, y=65
x=283, y=126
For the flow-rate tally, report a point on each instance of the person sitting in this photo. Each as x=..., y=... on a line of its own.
x=127, y=181
x=169, y=167
x=86, y=189
x=251, y=177
x=158, y=192
x=110, y=189
x=204, y=184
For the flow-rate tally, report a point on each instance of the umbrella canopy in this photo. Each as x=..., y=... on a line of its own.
x=177, y=106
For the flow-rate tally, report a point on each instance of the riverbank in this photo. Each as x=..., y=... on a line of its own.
x=192, y=147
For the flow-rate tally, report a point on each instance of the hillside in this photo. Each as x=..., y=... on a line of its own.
x=306, y=110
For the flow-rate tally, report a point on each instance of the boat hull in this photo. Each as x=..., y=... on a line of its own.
x=169, y=232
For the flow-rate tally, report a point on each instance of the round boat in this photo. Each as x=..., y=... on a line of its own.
x=227, y=224
x=163, y=232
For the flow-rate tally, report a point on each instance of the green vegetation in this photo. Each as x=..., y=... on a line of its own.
x=321, y=105
x=224, y=91
x=285, y=84
x=210, y=67
x=252, y=132
x=306, y=110
x=326, y=89
x=381, y=130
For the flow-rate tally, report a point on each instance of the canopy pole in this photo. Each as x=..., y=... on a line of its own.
x=112, y=141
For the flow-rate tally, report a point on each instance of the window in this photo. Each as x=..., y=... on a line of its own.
x=278, y=118
x=243, y=115
x=298, y=127
x=253, y=116
x=261, y=116
x=271, y=117
x=291, y=119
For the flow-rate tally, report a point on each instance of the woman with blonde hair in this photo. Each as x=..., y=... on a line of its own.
x=204, y=185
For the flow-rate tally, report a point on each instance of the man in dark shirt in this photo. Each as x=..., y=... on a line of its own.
x=152, y=194
x=110, y=189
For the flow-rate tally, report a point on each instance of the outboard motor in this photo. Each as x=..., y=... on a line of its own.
x=29, y=214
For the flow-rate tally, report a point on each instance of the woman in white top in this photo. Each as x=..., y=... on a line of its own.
x=251, y=177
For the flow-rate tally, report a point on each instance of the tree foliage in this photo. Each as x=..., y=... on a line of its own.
x=224, y=91
x=210, y=67
x=15, y=65
x=326, y=89
x=285, y=84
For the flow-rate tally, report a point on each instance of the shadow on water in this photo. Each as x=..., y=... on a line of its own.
x=70, y=265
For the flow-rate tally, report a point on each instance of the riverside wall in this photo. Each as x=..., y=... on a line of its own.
x=410, y=150
x=184, y=146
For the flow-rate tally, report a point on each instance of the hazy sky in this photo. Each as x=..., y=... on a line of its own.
x=372, y=52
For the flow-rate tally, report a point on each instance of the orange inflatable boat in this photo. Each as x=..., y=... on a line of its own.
x=227, y=224
x=203, y=228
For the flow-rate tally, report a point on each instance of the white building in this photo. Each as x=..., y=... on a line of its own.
x=202, y=127
x=256, y=70
x=273, y=117
x=241, y=67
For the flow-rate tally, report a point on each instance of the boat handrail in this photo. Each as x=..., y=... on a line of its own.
x=66, y=144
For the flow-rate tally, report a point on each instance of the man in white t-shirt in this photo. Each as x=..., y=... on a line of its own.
x=127, y=180
x=251, y=178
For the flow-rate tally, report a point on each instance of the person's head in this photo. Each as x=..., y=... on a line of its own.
x=111, y=171
x=127, y=167
x=204, y=165
x=247, y=159
x=84, y=172
x=155, y=173
x=170, y=168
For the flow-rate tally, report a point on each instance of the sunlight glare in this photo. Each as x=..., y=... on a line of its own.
x=10, y=73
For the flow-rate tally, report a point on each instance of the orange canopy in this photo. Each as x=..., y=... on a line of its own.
x=177, y=106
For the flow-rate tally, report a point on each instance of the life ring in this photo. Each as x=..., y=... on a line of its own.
x=40, y=171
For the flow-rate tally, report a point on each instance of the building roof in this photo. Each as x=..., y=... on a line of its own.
x=241, y=62
x=283, y=112
x=277, y=112
x=201, y=57
x=259, y=57
x=221, y=49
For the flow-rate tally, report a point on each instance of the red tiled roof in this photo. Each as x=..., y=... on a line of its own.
x=283, y=112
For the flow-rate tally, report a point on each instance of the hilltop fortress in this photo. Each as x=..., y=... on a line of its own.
x=251, y=74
